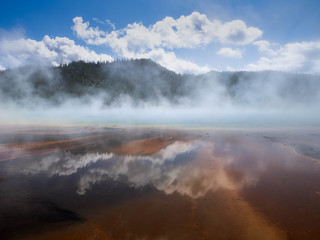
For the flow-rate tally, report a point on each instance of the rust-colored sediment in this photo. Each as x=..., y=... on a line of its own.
x=219, y=215
x=147, y=146
x=19, y=150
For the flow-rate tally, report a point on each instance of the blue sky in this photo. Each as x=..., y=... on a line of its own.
x=197, y=37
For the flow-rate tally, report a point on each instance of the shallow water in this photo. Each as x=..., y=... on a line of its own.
x=97, y=182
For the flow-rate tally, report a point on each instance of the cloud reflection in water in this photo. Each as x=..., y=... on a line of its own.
x=188, y=168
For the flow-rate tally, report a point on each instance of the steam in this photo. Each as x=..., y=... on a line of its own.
x=142, y=92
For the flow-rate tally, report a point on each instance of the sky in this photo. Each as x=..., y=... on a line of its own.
x=182, y=35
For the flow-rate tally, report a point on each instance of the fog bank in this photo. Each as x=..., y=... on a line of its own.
x=143, y=92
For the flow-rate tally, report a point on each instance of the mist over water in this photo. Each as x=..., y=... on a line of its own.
x=142, y=92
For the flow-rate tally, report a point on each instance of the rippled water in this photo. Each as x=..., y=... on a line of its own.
x=124, y=183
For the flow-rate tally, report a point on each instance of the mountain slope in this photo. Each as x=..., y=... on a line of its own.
x=143, y=82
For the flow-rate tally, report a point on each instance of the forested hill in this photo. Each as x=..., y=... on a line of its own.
x=140, y=80
x=145, y=82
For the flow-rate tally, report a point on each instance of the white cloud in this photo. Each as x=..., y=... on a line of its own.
x=83, y=31
x=265, y=47
x=107, y=21
x=136, y=40
x=154, y=41
x=230, y=53
x=110, y=24
x=48, y=51
x=297, y=57
x=98, y=20
x=189, y=31
x=170, y=61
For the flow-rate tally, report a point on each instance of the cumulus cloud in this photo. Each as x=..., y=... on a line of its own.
x=297, y=57
x=264, y=46
x=157, y=41
x=48, y=51
x=230, y=53
x=189, y=31
x=170, y=61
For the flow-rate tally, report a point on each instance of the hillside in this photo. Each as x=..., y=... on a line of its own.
x=143, y=82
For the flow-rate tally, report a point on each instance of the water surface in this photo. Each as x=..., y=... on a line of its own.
x=116, y=182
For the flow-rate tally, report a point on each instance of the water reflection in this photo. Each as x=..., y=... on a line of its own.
x=190, y=168
x=226, y=185
x=175, y=168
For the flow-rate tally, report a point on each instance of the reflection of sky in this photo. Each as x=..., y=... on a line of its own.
x=176, y=168
x=168, y=170
x=190, y=168
x=228, y=174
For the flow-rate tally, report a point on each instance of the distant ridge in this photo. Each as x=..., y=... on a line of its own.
x=144, y=82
